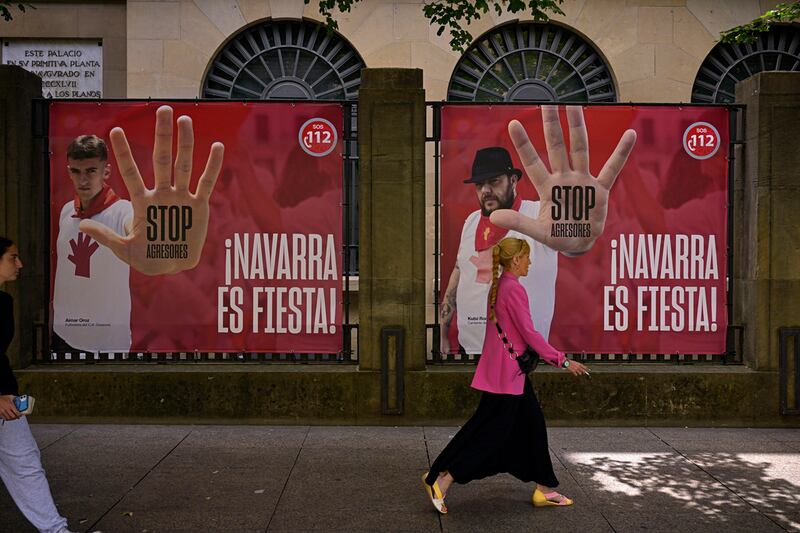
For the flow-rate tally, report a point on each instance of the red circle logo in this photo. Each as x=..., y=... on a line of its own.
x=701, y=140
x=317, y=137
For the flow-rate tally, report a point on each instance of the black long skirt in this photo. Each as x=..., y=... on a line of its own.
x=506, y=434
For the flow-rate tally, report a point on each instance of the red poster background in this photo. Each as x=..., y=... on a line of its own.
x=268, y=184
x=661, y=190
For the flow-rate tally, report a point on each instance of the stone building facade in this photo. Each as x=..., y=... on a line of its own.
x=652, y=50
x=162, y=49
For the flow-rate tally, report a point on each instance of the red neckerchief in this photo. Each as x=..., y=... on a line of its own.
x=104, y=199
x=487, y=234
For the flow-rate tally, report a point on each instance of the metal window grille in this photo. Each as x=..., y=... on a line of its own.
x=297, y=60
x=531, y=62
x=728, y=64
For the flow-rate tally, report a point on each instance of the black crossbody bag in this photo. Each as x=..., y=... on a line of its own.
x=527, y=361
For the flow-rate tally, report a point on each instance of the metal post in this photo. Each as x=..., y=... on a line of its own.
x=346, y=176
x=437, y=139
x=41, y=134
x=733, y=141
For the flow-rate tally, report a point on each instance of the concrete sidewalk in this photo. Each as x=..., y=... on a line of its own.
x=269, y=478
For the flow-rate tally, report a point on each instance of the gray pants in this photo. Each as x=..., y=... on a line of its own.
x=22, y=473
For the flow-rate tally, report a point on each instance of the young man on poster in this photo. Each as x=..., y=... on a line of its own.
x=545, y=224
x=160, y=231
x=91, y=299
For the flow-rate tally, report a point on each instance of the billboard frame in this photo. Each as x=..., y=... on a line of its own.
x=348, y=354
x=734, y=334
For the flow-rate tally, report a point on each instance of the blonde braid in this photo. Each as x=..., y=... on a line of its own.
x=502, y=254
x=495, y=276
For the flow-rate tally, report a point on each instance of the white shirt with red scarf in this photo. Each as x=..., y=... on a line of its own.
x=91, y=296
x=475, y=280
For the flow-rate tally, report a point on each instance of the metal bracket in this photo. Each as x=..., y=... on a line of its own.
x=789, y=367
x=392, y=349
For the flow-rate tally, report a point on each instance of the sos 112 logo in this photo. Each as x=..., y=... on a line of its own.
x=701, y=140
x=317, y=137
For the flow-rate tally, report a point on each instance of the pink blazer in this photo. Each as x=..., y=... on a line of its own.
x=496, y=371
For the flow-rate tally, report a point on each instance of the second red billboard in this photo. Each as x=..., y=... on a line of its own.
x=625, y=214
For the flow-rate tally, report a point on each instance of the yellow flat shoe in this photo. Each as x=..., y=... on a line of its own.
x=540, y=499
x=434, y=494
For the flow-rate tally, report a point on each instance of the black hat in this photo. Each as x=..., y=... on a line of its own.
x=491, y=162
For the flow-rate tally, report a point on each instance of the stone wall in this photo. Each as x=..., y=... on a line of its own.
x=766, y=215
x=391, y=196
x=615, y=396
x=23, y=205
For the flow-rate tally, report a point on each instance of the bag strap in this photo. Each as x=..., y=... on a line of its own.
x=506, y=343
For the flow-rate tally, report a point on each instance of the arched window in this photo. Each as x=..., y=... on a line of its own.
x=526, y=61
x=728, y=64
x=285, y=59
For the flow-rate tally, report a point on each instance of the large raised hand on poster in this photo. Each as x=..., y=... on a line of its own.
x=574, y=204
x=170, y=223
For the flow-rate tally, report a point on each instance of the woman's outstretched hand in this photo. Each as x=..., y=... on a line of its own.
x=577, y=369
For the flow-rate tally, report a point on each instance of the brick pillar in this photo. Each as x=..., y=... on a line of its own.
x=391, y=126
x=23, y=204
x=767, y=215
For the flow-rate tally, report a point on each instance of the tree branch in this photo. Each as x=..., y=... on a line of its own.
x=455, y=14
x=748, y=33
x=7, y=5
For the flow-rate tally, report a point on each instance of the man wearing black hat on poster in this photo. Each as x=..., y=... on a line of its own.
x=503, y=213
x=495, y=180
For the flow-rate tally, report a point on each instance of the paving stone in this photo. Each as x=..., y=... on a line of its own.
x=47, y=434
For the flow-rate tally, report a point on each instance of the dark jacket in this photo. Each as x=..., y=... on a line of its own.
x=8, y=383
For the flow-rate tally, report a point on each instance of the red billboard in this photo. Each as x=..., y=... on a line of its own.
x=163, y=240
x=627, y=229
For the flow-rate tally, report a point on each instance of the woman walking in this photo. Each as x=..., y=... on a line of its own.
x=507, y=433
x=20, y=466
